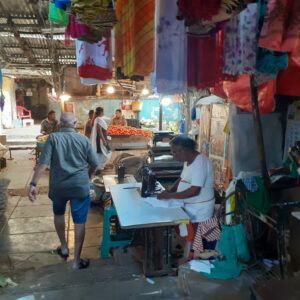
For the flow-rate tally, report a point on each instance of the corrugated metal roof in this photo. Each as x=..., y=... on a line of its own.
x=27, y=39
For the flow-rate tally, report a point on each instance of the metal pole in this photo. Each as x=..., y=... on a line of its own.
x=160, y=120
x=258, y=131
x=187, y=112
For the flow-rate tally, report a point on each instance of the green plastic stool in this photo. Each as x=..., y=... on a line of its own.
x=120, y=240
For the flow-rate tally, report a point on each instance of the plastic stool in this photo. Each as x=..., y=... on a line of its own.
x=109, y=241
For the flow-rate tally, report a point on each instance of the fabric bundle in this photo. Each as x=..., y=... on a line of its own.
x=93, y=60
x=170, y=50
x=233, y=246
x=134, y=36
x=97, y=14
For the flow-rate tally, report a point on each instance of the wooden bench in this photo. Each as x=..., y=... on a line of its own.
x=21, y=147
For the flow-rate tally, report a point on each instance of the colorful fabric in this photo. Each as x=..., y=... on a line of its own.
x=204, y=60
x=170, y=50
x=208, y=230
x=259, y=200
x=93, y=60
x=57, y=15
x=97, y=14
x=193, y=10
x=232, y=245
x=240, y=45
x=228, y=9
x=267, y=61
x=63, y=4
x=83, y=32
x=281, y=28
x=250, y=184
x=134, y=36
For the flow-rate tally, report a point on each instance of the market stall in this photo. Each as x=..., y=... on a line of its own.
x=125, y=137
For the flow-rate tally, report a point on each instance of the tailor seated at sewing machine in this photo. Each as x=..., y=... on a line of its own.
x=195, y=187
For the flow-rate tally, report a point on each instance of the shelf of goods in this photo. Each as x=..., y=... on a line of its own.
x=126, y=137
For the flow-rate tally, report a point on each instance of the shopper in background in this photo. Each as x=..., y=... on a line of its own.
x=50, y=124
x=72, y=162
x=118, y=119
x=99, y=139
x=89, y=124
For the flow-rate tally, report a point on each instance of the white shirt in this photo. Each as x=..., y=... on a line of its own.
x=199, y=173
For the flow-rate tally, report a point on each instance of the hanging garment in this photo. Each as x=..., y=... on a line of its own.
x=204, y=60
x=82, y=32
x=238, y=92
x=170, y=50
x=240, y=44
x=281, y=28
x=62, y=4
x=134, y=36
x=267, y=61
x=93, y=60
x=288, y=80
x=208, y=230
x=57, y=15
x=192, y=10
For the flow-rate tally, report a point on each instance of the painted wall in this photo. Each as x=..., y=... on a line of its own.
x=83, y=106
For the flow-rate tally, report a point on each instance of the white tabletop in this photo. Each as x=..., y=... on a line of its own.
x=113, y=179
x=134, y=213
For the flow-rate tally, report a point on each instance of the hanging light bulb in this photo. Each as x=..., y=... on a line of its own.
x=110, y=89
x=64, y=97
x=145, y=91
x=165, y=101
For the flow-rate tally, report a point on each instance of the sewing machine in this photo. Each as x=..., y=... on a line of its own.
x=150, y=186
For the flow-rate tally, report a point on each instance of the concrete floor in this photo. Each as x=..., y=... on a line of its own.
x=27, y=239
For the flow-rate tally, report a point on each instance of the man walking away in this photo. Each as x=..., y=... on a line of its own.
x=72, y=161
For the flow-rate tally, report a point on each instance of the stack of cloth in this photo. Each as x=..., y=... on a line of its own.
x=96, y=14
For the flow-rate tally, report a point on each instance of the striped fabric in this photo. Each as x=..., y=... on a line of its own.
x=134, y=36
x=208, y=230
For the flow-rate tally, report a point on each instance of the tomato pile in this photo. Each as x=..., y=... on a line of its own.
x=127, y=130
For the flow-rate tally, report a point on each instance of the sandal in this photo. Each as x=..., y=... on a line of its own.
x=84, y=263
x=62, y=255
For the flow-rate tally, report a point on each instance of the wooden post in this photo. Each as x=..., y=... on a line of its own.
x=258, y=132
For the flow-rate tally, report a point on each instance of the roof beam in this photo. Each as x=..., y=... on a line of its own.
x=23, y=44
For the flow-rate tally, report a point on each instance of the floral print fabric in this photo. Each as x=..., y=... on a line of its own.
x=240, y=44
